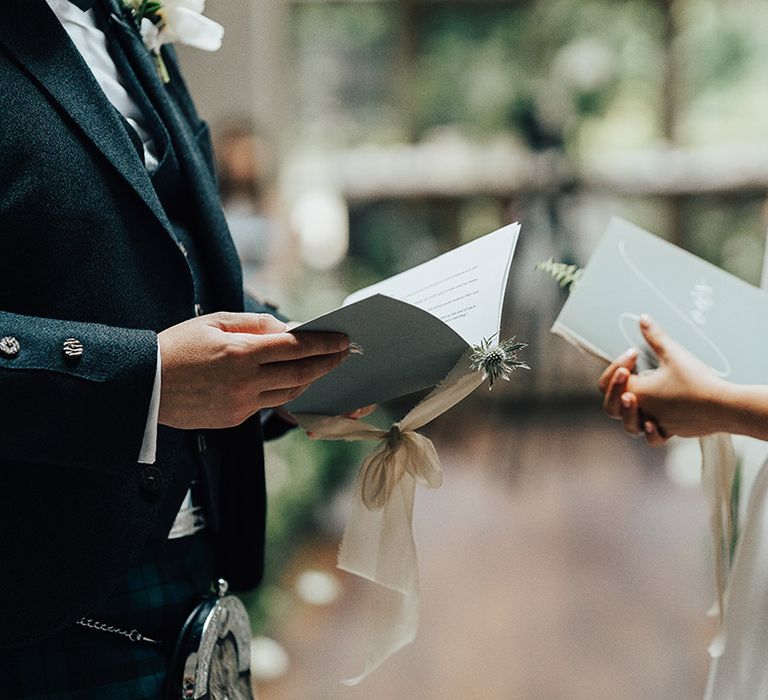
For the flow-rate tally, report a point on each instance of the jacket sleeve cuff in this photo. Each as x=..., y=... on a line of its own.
x=81, y=391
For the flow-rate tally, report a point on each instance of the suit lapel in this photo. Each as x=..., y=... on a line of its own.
x=36, y=39
x=220, y=254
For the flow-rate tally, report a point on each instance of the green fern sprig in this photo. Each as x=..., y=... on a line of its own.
x=154, y=11
x=567, y=276
x=151, y=9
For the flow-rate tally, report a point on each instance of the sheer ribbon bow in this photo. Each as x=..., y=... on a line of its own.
x=378, y=541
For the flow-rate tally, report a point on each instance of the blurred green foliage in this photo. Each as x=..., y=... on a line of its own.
x=343, y=57
x=548, y=72
x=577, y=76
x=404, y=238
x=531, y=69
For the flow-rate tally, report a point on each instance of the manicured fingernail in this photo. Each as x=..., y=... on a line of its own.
x=648, y=427
x=629, y=354
x=646, y=321
x=626, y=400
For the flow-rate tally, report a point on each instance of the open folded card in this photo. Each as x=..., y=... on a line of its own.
x=702, y=307
x=414, y=327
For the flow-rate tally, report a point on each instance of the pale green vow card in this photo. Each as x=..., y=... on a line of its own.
x=718, y=317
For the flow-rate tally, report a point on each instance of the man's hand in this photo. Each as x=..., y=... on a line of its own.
x=681, y=397
x=218, y=370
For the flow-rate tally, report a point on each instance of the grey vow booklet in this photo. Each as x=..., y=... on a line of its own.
x=716, y=316
x=414, y=327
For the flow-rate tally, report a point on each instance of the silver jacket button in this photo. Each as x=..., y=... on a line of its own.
x=9, y=346
x=72, y=348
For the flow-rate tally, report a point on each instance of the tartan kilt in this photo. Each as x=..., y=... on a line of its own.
x=155, y=598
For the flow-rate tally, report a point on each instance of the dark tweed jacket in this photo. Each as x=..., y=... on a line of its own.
x=87, y=252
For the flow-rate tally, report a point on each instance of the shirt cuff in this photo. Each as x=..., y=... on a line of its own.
x=149, y=443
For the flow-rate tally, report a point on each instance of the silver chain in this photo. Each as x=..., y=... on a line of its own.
x=133, y=635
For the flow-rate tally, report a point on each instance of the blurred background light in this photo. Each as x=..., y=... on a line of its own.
x=321, y=222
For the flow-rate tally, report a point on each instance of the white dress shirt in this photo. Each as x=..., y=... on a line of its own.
x=92, y=45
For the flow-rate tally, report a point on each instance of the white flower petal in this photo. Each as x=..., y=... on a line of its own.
x=191, y=28
x=193, y=5
x=150, y=34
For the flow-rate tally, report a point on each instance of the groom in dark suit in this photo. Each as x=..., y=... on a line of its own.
x=114, y=252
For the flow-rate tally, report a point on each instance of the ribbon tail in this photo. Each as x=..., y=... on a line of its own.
x=378, y=541
x=718, y=466
x=378, y=546
x=403, y=610
x=740, y=671
x=459, y=384
x=338, y=427
x=422, y=461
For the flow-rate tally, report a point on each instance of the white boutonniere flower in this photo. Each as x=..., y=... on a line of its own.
x=179, y=21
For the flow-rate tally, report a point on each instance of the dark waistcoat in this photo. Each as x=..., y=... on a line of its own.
x=202, y=450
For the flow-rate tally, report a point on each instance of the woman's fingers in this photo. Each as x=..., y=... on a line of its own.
x=620, y=403
x=617, y=385
x=627, y=360
x=361, y=412
x=636, y=425
x=654, y=436
x=630, y=414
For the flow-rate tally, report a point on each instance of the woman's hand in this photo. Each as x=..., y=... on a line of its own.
x=681, y=397
x=357, y=414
